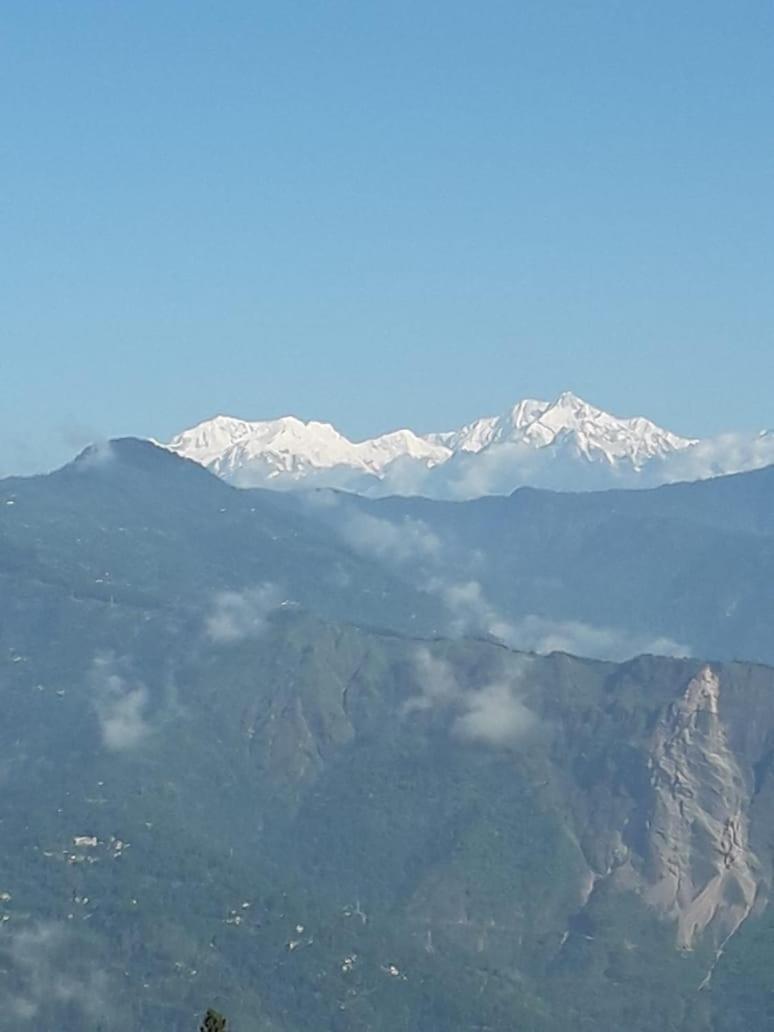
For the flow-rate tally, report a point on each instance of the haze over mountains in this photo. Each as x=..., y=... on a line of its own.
x=356, y=674
x=279, y=752
x=566, y=444
x=681, y=569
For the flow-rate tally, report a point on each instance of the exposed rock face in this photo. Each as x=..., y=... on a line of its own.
x=700, y=869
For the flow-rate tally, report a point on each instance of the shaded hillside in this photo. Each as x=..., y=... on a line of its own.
x=324, y=827
x=136, y=525
x=691, y=563
x=219, y=793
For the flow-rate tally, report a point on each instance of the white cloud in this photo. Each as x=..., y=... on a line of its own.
x=472, y=613
x=236, y=615
x=537, y=634
x=715, y=456
x=120, y=705
x=493, y=714
x=408, y=541
x=498, y=469
x=412, y=542
x=437, y=682
x=503, y=467
x=45, y=974
x=97, y=455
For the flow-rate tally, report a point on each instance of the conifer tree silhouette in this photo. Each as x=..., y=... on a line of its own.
x=213, y=1022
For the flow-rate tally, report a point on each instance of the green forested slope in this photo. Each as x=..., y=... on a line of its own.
x=309, y=823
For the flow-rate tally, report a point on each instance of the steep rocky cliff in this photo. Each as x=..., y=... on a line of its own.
x=700, y=867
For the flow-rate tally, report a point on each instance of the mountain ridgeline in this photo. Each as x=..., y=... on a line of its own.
x=564, y=444
x=683, y=569
x=279, y=756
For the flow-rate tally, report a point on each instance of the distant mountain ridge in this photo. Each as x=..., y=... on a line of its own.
x=565, y=444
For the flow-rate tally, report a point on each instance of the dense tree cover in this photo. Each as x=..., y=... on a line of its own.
x=690, y=562
x=213, y=1022
x=303, y=823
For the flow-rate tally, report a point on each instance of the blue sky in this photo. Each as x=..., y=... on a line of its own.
x=381, y=214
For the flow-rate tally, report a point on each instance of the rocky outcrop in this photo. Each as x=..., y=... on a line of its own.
x=699, y=868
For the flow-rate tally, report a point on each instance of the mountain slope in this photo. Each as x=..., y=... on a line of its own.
x=223, y=786
x=681, y=568
x=319, y=826
x=132, y=523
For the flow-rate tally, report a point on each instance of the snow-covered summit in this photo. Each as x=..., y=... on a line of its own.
x=289, y=452
x=569, y=421
x=291, y=448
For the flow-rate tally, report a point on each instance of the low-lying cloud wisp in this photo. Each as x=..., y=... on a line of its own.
x=491, y=715
x=472, y=613
x=96, y=456
x=235, y=615
x=408, y=541
x=120, y=704
x=537, y=634
x=494, y=715
x=47, y=978
x=412, y=547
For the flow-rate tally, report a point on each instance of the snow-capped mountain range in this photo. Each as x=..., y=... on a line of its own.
x=563, y=444
x=540, y=424
x=291, y=449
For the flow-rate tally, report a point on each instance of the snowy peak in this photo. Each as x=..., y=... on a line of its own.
x=295, y=448
x=207, y=440
x=224, y=444
x=480, y=434
x=598, y=435
x=571, y=422
x=383, y=450
x=568, y=430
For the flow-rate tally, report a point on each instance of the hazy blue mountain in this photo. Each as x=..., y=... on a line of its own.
x=133, y=523
x=681, y=568
x=241, y=767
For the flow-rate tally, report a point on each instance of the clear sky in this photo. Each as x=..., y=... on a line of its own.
x=380, y=214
